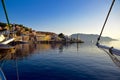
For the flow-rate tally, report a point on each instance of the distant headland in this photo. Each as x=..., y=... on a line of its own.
x=91, y=37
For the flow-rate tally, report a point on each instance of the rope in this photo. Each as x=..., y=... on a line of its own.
x=3, y=61
x=2, y=64
x=17, y=69
x=114, y=59
x=105, y=21
x=2, y=77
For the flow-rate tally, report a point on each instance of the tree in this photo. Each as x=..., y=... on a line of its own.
x=62, y=36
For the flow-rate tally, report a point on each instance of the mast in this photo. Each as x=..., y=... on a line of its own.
x=5, y=11
x=106, y=20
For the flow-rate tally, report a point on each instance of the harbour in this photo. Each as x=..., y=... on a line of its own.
x=59, y=40
x=58, y=61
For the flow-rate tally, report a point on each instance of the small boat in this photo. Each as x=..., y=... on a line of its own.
x=92, y=41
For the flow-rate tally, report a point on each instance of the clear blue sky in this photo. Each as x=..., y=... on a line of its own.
x=66, y=16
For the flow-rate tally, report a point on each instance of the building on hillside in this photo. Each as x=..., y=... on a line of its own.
x=47, y=36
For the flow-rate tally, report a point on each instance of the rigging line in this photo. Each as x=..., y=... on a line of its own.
x=2, y=64
x=5, y=11
x=4, y=78
x=105, y=21
x=3, y=61
x=16, y=67
x=113, y=58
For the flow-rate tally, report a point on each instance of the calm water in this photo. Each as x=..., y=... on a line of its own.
x=61, y=62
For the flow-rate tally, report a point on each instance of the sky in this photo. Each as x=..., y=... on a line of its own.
x=65, y=16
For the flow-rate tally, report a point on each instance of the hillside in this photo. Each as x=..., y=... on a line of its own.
x=91, y=37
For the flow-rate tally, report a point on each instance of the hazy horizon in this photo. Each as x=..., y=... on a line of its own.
x=65, y=16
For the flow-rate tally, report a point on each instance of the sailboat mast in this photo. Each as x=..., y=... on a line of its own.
x=105, y=21
x=5, y=11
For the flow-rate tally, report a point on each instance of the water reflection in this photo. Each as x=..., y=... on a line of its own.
x=44, y=61
x=7, y=54
x=61, y=48
x=24, y=50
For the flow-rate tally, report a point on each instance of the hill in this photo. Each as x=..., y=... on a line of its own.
x=91, y=37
